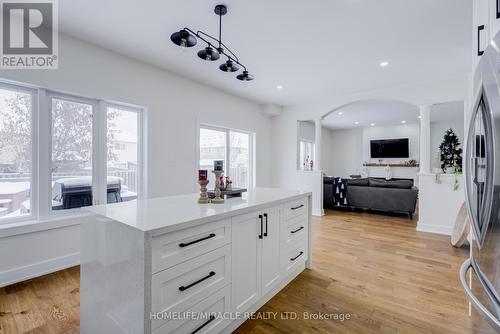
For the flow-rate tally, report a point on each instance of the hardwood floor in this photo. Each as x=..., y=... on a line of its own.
x=48, y=304
x=374, y=269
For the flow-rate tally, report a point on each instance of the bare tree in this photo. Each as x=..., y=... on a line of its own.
x=71, y=133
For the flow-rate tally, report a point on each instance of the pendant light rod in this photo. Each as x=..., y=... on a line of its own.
x=220, y=28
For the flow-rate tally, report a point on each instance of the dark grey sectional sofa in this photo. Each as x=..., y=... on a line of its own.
x=396, y=195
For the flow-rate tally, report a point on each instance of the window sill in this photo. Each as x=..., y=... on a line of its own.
x=31, y=226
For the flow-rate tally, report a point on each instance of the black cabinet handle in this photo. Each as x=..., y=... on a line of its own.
x=300, y=228
x=261, y=227
x=212, y=318
x=298, y=207
x=212, y=235
x=498, y=9
x=183, y=288
x=479, y=51
x=295, y=258
x=265, y=216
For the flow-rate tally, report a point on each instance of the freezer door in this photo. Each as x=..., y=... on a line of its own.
x=479, y=167
x=485, y=309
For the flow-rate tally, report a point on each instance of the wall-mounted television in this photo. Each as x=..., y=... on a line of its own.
x=389, y=148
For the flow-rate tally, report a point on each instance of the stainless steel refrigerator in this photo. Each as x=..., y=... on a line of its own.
x=480, y=274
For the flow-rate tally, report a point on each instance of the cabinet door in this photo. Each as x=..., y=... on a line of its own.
x=246, y=255
x=271, y=250
x=481, y=28
x=494, y=17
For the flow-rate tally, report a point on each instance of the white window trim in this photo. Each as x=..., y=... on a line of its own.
x=41, y=216
x=227, y=131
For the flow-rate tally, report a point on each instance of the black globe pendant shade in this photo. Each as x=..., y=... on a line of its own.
x=245, y=76
x=229, y=66
x=183, y=38
x=209, y=54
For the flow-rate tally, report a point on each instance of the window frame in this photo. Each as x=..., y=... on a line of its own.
x=34, y=178
x=41, y=152
x=227, y=131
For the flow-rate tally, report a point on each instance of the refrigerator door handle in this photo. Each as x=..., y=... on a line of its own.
x=492, y=320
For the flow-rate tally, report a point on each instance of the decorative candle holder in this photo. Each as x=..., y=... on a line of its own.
x=203, y=192
x=217, y=198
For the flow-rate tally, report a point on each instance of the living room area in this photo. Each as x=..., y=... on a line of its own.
x=389, y=158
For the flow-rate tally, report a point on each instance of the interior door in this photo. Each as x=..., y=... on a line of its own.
x=479, y=167
x=271, y=250
x=247, y=234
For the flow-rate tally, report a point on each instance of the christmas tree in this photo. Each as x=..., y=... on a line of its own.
x=451, y=153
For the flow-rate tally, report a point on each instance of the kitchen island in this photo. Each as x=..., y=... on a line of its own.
x=171, y=265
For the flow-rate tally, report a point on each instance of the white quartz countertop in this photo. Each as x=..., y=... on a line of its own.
x=171, y=213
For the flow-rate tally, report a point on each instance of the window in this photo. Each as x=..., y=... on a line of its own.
x=306, y=154
x=71, y=169
x=88, y=152
x=16, y=158
x=232, y=146
x=123, y=154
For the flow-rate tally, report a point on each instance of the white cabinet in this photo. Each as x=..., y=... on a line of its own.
x=481, y=29
x=256, y=260
x=203, y=260
x=271, y=273
x=494, y=17
x=246, y=266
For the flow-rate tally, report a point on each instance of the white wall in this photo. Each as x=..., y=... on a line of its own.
x=306, y=130
x=350, y=148
x=438, y=203
x=346, y=149
x=326, y=150
x=410, y=131
x=175, y=107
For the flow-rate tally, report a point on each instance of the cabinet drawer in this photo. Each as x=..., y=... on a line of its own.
x=295, y=208
x=173, y=248
x=180, y=287
x=295, y=229
x=204, y=317
x=296, y=255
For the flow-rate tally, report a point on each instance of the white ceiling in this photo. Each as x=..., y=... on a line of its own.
x=314, y=49
x=378, y=112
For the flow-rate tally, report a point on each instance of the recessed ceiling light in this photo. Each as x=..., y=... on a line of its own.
x=356, y=123
x=279, y=87
x=384, y=64
x=404, y=122
x=372, y=124
x=340, y=113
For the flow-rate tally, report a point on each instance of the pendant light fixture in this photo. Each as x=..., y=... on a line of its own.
x=187, y=38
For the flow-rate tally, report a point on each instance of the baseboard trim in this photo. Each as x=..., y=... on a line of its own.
x=38, y=269
x=432, y=228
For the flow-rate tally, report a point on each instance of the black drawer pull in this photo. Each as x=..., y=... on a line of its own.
x=295, y=258
x=212, y=235
x=479, y=51
x=265, y=233
x=261, y=226
x=182, y=288
x=498, y=9
x=300, y=228
x=212, y=318
x=298, y=207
